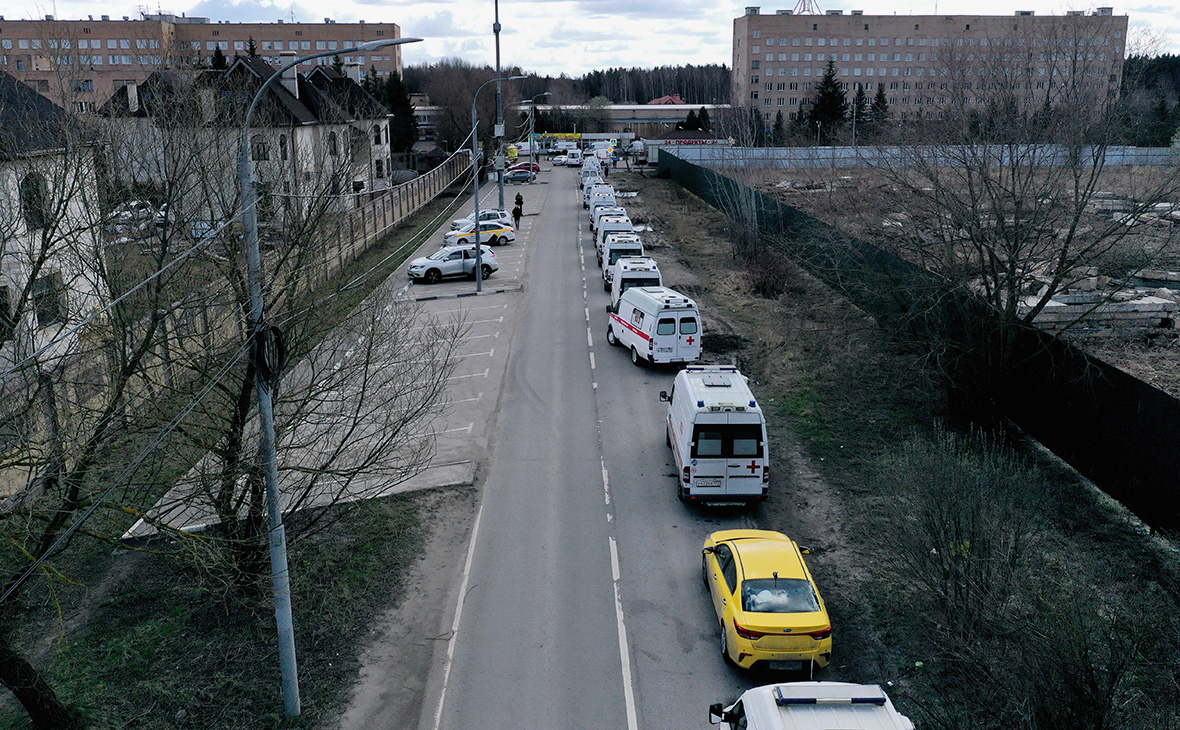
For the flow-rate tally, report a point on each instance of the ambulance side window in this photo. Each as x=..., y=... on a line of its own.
x=666, y=327
x=688, y=326
x=707, y=443
x=637, y=318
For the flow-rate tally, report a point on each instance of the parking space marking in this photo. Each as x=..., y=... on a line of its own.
x=484, y=374
x=470, y=309
x=469, y=400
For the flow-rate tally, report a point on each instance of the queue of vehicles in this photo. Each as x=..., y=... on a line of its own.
x=769, y=609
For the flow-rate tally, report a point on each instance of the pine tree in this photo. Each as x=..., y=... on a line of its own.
x=798, y=132
x=703, y=119
x=830, y=107
x=757, y=129
x=691, y=122
x=403, y=127
x=1161, y=125
x=778, y=133
x=338, y=64
x=879, y=111
x=251, y=47
x=219, y=62
x=860, y=108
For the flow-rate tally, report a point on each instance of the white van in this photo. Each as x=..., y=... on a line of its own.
x=573, y=158
x=614, y=247
x=607, y=225
x=597, y=214
x=657, y=325
x=631, y=272
x=717, y=434
x=811, y=706
x=595, y=188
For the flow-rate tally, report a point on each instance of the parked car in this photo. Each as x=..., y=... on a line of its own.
x=560, y=160
x=492, y=233
x=501, y=216
x=520, y=176
x=162, y=215
x=452, y=261
x=532, y=166
x=768, y=607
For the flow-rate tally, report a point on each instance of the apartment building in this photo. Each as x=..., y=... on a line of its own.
x=79, y=64
x=927, y=63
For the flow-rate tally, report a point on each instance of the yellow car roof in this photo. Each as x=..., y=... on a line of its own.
x=762, y=552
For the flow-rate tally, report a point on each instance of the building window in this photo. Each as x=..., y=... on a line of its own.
x=333, y=149
x=377, y=135
x=379, y=168
x=282, y=147
x=47, y=300
x=239, y=46
x=258, y=148
x=34, y=201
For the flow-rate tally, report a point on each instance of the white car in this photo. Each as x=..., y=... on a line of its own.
x=502, y=216
x=451, y=261
x=490, y=232
x=560, y=160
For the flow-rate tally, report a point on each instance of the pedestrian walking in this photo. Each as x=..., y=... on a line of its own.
x=516, y=213
x=520, y=202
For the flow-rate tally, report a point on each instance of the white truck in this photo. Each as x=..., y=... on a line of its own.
x=717, y=433
x=657, y=325
x=811, y=706
x=632, y=272
x=616, y=246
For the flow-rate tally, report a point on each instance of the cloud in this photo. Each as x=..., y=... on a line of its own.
x=245, y=11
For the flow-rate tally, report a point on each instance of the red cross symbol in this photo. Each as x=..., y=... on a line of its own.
x=753, y=467
x=690, y=339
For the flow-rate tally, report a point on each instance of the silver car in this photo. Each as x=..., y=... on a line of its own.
x=452, y=261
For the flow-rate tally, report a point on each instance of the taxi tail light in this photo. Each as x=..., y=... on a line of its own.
x=687, y=475
x=821, y=634
x=749, y=633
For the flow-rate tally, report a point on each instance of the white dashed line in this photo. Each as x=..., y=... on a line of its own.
x=592, y=361
x=624, y=653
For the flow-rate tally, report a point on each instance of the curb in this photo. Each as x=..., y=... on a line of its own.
x=484, y=293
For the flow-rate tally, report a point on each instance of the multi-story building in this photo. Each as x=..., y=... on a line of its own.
x=80, y=63
x=927, y=63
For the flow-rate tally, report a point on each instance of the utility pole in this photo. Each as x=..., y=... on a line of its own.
x=499, y=112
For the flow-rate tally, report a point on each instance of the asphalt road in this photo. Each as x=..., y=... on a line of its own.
x=582, y=604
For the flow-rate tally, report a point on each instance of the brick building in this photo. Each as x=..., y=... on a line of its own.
x=80, y=63
x=927, y=62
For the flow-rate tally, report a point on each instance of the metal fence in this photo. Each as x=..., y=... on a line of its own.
x=865, y=156
x=1113, y=428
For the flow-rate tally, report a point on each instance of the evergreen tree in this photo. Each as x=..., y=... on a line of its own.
x=778, y=134
x=691, y=122
x=251, y=47
x=219, y=62
x=860, y=108
x=798, y=131
x=830, y=107
x=1162, y=123
x=403, y=127
x=703, y=119
x=879, y=111
x=337, y=64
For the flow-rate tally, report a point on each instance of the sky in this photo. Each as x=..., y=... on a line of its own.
x=575, y=36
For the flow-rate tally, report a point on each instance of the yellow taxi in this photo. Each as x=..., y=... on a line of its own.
x=769, y=608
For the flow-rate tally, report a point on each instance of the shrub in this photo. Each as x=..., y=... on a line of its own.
x=772, y=274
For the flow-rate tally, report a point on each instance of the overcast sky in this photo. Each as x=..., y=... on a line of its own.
x=576, y=36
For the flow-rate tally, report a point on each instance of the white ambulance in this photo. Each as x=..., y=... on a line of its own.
x=717, y=434
x=632, y=272
x=657, y=325
x=617, y=246
x=811, y=706
x=601, y=210
x=609, y=225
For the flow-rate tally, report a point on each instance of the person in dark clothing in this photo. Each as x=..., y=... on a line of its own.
x=516, y=213
x=520, y=202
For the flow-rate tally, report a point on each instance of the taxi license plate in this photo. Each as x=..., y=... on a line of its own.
x=786, y=666
x=708, y=482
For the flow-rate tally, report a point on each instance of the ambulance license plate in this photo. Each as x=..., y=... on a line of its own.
x=708, y=482
x=786, y=666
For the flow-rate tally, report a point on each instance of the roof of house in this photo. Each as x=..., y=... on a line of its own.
x=29, y=122
x=669, y=99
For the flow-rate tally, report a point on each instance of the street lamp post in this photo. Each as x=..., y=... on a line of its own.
x=532, y=125
x=475, y=175
x=265, y=373
x=499, y=128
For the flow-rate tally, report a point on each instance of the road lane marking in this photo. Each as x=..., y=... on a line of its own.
x=458, y=615
x=587, y=313
x=624, y=652
x=592, y=361
x=589, y=340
